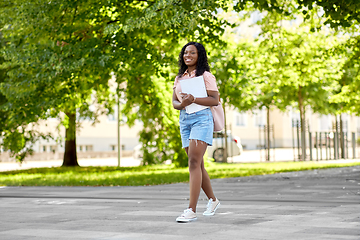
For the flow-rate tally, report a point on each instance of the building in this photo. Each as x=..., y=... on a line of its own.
x=100, y=140
x=250, y=126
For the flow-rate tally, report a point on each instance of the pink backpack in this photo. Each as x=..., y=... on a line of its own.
x=218, y=117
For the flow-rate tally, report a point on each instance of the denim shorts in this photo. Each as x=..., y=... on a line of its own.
x=198, y=126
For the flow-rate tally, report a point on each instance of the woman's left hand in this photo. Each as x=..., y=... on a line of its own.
x=187, y=99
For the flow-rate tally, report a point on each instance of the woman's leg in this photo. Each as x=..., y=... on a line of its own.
x=206, y=184
x=196, y=153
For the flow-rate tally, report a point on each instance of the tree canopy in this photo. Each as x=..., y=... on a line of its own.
x=61, y=54
x=56, y=59
x=337, y=13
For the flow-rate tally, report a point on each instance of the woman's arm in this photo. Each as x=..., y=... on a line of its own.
x=177, y=104
x=211, y=100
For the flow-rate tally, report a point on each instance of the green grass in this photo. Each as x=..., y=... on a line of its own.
x=147, y=175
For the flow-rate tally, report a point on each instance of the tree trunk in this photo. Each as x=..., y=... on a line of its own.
x=226, y=137
x=268, y=133
x=302, y=123
x=70, y=157
x=342, y=144
x=118, y=128
x=336, y=138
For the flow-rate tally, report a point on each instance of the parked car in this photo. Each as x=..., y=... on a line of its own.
x=216, y=151
x=326, y=139
x=138, y=153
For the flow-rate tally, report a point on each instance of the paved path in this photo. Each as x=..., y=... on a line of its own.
x=319, y=204
x=125, y=162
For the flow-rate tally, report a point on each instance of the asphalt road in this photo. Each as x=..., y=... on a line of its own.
x=318, y=204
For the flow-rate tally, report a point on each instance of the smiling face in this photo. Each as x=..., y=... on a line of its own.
x=190, y=56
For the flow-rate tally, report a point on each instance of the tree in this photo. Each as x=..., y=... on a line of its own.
x=308, y=72
x=337, y=13
x=55, y=68
x=347, y=95
x=232, y=66
x=3, y=100
x=295, y=67
x=61, y=58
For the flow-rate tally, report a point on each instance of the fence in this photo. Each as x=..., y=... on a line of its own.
x=323, y=145
x=267, y=142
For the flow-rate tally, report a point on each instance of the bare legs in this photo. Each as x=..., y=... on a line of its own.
x=199, y=178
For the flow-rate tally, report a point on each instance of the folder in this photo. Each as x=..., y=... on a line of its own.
x=196, y=87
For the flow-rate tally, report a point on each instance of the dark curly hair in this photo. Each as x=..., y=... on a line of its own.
x=202, y=62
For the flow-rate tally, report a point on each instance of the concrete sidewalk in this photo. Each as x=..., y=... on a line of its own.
x=125, y=162
x=319, y=204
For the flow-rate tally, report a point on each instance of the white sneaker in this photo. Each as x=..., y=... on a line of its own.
x=187, y=216
x=211, y=207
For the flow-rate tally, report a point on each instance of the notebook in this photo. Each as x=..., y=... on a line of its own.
x=196, y=87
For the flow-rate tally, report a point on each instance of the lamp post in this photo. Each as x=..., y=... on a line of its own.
x=118, y=125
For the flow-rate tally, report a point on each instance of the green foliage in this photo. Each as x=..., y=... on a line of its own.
x=17, y=142
x=297, y=67
x=347, y=96
x=3, y=100
x=232, y=67
x=59, y=63
x=61, y=54
x=57, y=57
x=306, y=66
x=337, y=13
x=148, y=175
x=160, y=132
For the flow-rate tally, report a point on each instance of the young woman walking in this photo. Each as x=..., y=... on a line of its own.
x=196, y=129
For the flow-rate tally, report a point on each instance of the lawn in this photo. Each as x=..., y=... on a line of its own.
x=148, y=175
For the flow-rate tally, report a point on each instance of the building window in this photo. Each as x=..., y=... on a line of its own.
x=53, y=148
x=260, y=117
x=295, y=118
x=113, y=117
x=114, y=147
x=345, y=122
x=240, y=119
x=44, y=148
x=88, y=148
x=324, y=123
